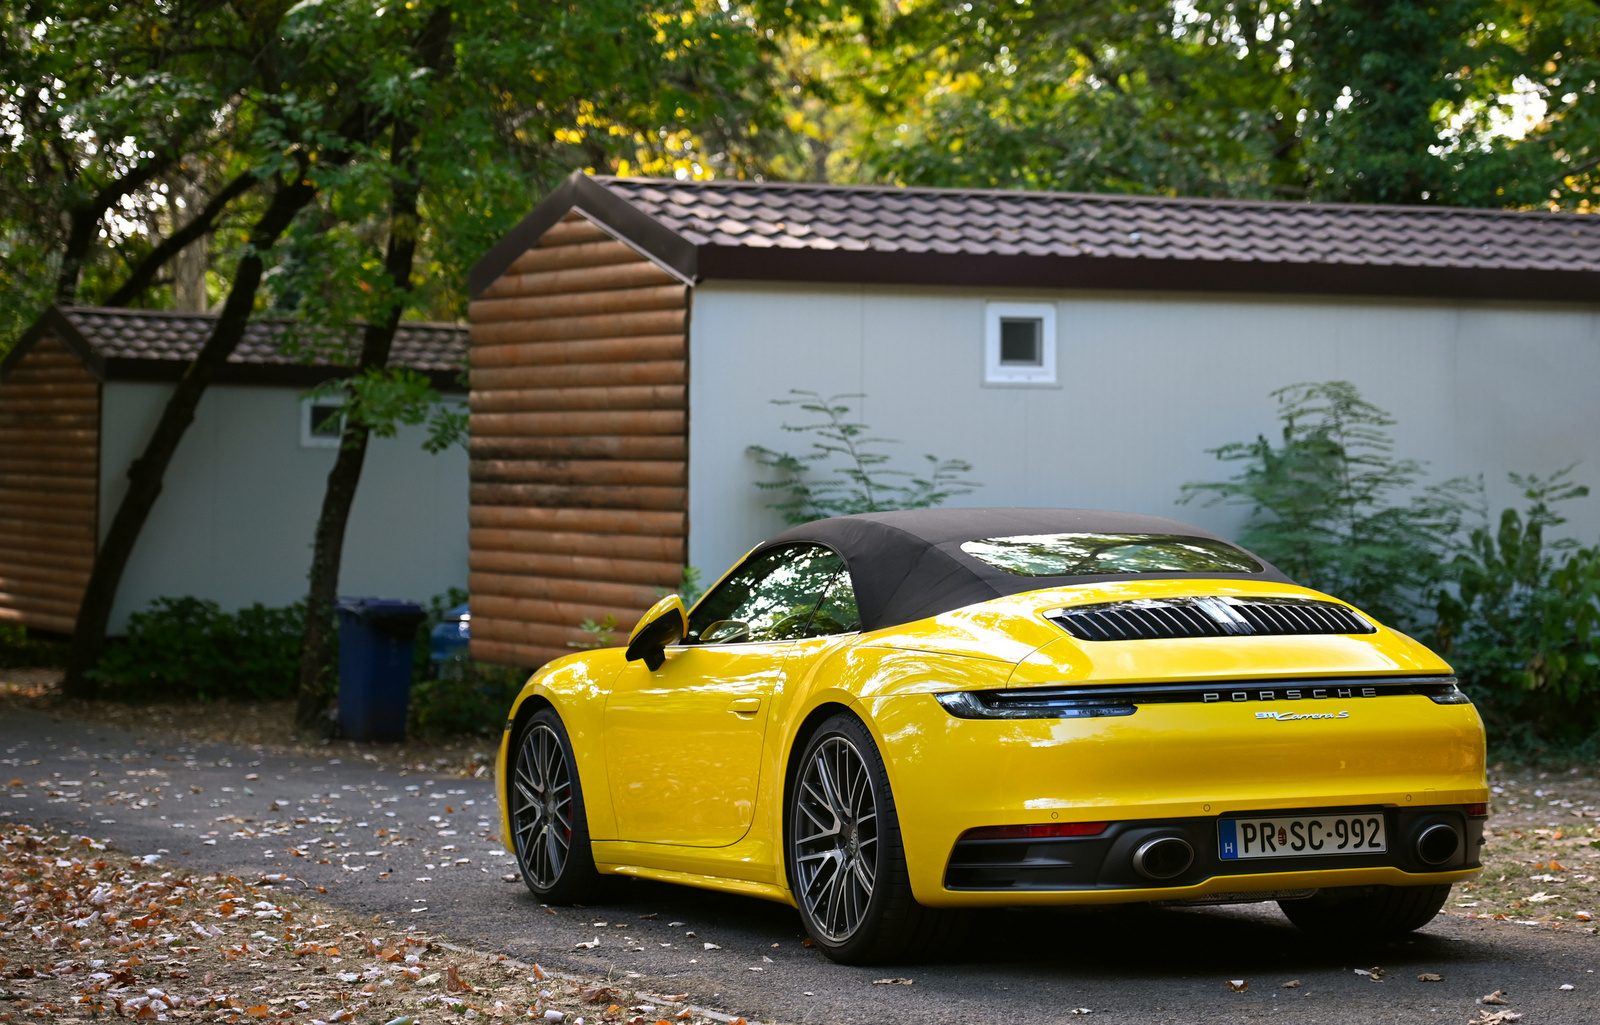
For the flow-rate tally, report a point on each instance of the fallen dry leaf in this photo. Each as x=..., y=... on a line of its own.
x=455, y=983
x=1291, y=984
x=891, y=982
x=1238, y=985
x=1497, y=997
x=1430, y=977
x=599, y=995
x=1497, y=1018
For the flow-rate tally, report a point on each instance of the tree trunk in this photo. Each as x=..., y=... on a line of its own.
x=146, y=473
x=328, y=547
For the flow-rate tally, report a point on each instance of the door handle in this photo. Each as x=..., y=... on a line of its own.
x=745, y=706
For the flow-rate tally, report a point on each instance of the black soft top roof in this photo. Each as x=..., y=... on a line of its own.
x=909, y=565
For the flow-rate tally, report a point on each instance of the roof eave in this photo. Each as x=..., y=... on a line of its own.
x=53, y=323
x=751, y=263
x=579, y=191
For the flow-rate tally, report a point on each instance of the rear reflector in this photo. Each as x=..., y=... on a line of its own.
x=1478, y=811
x=1038, y=832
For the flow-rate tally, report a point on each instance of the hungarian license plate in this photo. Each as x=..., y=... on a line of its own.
x=1300, y=836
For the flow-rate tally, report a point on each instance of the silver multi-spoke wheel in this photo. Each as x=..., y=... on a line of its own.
x=835, y=836
x=542, y=807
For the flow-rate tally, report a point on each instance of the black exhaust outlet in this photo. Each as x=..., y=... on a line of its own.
x=1438, y=844
x=1164, y=857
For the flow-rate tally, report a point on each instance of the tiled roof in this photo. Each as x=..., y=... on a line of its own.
x=779, y=231
x=162, y=336
x=1010, y=223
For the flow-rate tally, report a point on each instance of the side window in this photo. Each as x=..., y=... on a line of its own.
x=837, y=613
x=770, y=598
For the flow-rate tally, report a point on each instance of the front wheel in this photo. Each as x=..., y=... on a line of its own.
x=549, y=829
x=1366, y=912
x=845, y=860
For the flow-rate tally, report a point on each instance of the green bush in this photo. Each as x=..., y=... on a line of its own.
x=1523, y=625
x=189, y=649
x=474, y=699
x=1332, y=507
x=1516, y=612
x=20, y=649
x=457, y=697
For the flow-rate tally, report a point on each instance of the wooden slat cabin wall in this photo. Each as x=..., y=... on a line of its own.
x=579, y=448
x=49, y=486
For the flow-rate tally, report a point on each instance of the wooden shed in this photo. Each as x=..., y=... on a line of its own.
x=80, y=393
x=629, y=338
x=579, y=445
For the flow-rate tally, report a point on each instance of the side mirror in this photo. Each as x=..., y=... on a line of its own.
x=666, y=623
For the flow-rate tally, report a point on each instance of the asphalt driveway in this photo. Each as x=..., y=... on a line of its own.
x=421, y=851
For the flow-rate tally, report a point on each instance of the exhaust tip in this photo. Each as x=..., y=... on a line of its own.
x=1163, y=857
x=1438, y=844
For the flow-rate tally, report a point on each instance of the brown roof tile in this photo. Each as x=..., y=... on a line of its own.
x=786, y=231
x=158, y=344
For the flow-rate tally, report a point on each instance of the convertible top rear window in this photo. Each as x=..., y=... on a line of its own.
x=1059, y=555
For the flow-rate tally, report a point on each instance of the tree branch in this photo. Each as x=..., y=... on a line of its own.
x=144, y=274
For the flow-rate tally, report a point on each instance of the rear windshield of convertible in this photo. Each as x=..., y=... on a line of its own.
x=1061, y=555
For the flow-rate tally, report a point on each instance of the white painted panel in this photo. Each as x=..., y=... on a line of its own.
x=235, y=518
x=1147, y=385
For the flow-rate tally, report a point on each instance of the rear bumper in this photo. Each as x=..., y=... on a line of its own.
x=1105, y=863
x=1181, y=768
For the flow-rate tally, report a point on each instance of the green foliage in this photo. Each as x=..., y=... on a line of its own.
x=862, y=481
x=1333, y=507
x=1410, y=101
x=1523, y=627
x=689, y=589
x=189, y=649
x=384, y=400
x=461, y=697
x=20, y=649
x=597, y=635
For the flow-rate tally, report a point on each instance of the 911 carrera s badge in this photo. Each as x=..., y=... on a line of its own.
x=1289, y=716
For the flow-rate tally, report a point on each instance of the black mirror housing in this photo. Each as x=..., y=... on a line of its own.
x=649, y=640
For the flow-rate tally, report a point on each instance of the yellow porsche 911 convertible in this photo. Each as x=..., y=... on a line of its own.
x=883, y=719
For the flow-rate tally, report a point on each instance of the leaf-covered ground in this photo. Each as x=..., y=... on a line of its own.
x=86, y=932
x=1542, y=859
x=258, y=725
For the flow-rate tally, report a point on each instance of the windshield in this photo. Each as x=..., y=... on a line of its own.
x=1068, y=555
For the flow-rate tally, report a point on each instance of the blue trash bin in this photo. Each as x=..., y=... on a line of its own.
x=377, y=638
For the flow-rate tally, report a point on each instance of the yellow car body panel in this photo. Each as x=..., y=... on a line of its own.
x=1249, y=754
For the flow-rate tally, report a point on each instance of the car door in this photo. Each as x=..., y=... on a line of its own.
x=683, y=743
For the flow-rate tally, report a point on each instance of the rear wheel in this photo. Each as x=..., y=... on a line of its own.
x=549, y=829
x=845, y=860
x=1366, y=912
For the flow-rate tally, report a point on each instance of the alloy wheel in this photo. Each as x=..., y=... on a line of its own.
x=541, y=816
x=836, y=839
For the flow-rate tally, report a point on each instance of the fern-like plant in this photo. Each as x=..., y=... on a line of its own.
x=845, y=472
x=1334, y=508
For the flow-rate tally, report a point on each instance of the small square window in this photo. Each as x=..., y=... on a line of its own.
x=321, y=425
x=1020, y=343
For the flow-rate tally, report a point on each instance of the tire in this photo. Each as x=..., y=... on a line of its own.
x=1366, y=912
x=844, y=855
x=549, y=828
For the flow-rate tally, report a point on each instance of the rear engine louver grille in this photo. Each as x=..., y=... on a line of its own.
x=1158, y=618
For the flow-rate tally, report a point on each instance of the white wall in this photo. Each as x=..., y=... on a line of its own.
x=1147, y=384
x=235, y=520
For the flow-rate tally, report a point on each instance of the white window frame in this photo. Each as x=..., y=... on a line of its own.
x=995, y=372
x=309, y=440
